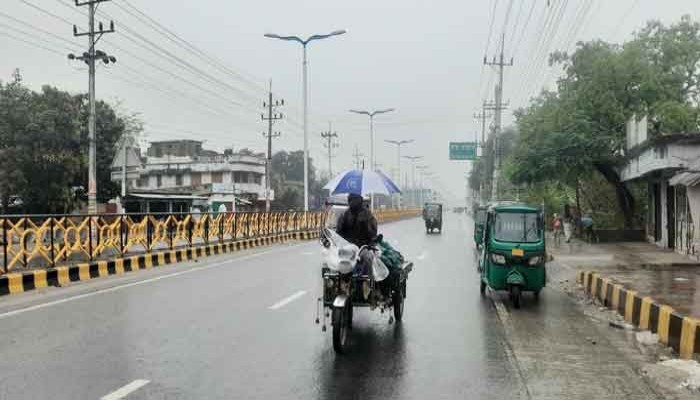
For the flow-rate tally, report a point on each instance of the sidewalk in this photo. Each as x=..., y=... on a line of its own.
x=662, y=274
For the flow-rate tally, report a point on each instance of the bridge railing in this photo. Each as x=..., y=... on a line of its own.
x=36, y=241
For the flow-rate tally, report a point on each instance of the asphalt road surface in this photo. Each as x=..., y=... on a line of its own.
x=242, y=327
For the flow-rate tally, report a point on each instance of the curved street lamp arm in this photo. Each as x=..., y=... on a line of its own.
x=382, y=111
x=318, y=37
x=291, y=38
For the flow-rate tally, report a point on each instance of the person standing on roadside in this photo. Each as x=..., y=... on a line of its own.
x=557, y=229
x=568, y=225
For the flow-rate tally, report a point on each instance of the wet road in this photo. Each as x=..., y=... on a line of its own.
x=241, y=327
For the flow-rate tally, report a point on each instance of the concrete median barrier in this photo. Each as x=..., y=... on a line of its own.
x=682, y=333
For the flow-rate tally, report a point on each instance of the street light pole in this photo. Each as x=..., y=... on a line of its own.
x=306, y=131
x=398, y=144
x=413, y=174
x=372, y=164
x=422, y=172
x=304, y=43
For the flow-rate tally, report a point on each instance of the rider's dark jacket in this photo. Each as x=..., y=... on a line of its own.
x=357, y=225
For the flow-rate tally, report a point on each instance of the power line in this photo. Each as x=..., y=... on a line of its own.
x=29, y=34
x=488, y=43
x=547, y=48
x=25, y=41
x=31, y=26
x=44, y=11
x=517, y=21
x=175, y=38
x=527, y=22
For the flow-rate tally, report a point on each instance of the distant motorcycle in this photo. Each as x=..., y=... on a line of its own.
x=356, y=277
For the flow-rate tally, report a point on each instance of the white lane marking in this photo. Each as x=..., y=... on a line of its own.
x=308, y=253
x=422, y=256
x=287, y=300
x=154, y=279
x=125, y=390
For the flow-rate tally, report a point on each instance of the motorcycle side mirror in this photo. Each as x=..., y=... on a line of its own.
x=380, y=237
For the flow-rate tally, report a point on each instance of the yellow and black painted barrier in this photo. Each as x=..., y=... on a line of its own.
x=675, y=330
x=21, y=282
x=260, y=230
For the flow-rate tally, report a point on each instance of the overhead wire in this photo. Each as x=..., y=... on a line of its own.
x=488, y=44
x=542, y=43
x=533, y=45
x=31, y=43
x=544, y=55
x=565, y=40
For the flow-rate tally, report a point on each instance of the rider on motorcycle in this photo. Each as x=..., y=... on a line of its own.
x=357, y=224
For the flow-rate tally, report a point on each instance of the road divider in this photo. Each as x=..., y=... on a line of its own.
x=675, y=330
x=21, y=282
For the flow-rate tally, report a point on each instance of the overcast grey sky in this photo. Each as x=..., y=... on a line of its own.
x=423, y=58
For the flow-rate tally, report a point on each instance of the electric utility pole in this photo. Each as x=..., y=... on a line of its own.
x=498, y=107
x=89, y=58
x=483, y=116
x=271, y=117
x=330, y=145
x=357, y=156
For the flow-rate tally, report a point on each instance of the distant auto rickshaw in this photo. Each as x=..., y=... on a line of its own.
x=514, y=254
x=479, y=222
x=432, y=215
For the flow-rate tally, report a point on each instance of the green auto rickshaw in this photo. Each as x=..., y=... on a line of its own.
x=432, y=215
x=479, y=222
x=514, y=253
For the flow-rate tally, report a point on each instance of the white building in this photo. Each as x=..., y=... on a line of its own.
x=668, y=163
x=175, y=170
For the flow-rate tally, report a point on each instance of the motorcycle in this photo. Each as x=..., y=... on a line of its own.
x=355, y=276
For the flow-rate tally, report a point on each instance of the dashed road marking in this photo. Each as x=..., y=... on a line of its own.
x=422, y=256
x=125, y=390
x=143, y=282
x=287, y=300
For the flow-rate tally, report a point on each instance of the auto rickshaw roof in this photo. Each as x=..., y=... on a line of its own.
x=512, y=207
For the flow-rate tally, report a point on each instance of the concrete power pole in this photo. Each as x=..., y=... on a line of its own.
x=357, y=156
x=498, y=107
x=330, y=145
x=89, y=58
x=482, y=116
x=270, y=118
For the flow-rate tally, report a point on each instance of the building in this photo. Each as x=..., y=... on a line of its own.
x=667, y=164
x=180, y=175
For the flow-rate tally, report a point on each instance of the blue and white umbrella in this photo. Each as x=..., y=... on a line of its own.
x=362, y=182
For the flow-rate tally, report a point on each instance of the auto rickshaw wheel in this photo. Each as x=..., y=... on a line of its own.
x=537, y=295
x=340, y=328
x=515, y=295
x=482, y=287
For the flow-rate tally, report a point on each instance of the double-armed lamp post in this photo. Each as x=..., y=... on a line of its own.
x=304, y=43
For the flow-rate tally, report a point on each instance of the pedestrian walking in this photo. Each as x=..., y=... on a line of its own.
x=587, y=225
x=568, y=229
x=557, y=229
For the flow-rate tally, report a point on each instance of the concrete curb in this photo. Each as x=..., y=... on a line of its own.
x=675, y=330
x=22, y=282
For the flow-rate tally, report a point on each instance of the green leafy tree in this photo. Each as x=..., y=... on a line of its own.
x=288, y=180
x=580, y=128
x=44, y=147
